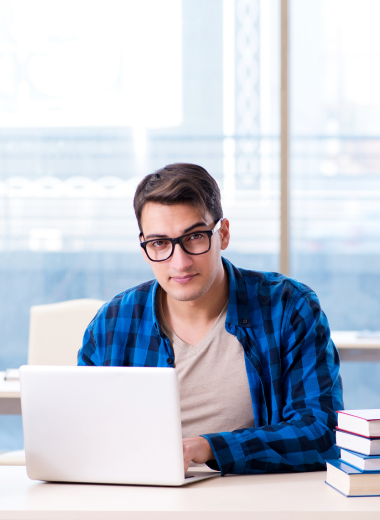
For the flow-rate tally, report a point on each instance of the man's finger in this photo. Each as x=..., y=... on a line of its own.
x=186, y=456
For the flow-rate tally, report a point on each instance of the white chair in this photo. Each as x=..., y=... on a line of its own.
x=55, y=336
x=56, y=331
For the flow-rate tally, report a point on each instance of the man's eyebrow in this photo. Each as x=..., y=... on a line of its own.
x=187, y=230
x=198, y=224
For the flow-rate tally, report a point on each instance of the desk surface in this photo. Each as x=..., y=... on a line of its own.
x=351, y=339
x=9, y=389
x=10, y=403
x=239, y=497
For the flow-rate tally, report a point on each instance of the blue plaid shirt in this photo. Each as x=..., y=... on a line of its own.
x=292, y=367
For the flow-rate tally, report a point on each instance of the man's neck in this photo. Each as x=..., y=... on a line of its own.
x=191, y=320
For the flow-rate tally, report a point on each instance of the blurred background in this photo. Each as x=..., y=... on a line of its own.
x=96, y=94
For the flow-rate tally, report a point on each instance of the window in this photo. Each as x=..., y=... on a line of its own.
x=335, y=169
x=91, y=103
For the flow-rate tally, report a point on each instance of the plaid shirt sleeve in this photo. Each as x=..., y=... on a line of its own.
x=311, y=391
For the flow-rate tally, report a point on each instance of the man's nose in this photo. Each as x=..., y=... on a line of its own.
x=180, y=260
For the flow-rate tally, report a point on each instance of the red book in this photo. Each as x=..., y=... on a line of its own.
x=360, y=422
x=358, y=443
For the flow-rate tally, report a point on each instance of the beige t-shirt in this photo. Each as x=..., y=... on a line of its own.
x=213, y=382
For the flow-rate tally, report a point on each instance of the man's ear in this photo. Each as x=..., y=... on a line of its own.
x=224, y=234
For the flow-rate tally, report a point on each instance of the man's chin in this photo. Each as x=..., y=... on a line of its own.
x=185, y=294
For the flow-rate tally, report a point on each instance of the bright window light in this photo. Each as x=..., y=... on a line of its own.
x=115, y=63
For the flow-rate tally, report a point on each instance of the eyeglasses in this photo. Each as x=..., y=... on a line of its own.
x=195, y=243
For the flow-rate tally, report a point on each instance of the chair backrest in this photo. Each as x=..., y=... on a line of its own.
x=56, y=331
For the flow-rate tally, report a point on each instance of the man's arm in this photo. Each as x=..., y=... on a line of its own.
x=311, y=393
x=88, y=354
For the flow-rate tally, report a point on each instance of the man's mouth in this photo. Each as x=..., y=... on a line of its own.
x=183, y=279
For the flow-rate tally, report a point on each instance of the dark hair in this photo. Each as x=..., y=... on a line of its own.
x=179, y=183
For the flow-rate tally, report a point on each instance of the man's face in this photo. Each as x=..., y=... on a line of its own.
x=184, y=277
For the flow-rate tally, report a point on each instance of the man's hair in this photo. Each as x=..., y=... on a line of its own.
x=179, y=183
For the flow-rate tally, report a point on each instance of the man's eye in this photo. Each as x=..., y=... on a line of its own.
x=196, y=236
x=159, y=244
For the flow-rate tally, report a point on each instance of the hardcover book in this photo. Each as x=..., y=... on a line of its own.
x=361, y=422
x=351, y=481
x=358, y=443
x=360, y=461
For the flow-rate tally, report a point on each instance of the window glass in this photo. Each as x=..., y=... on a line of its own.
x=95, y=95
x=335, y=174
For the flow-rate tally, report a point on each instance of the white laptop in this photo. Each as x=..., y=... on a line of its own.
x=116, y=425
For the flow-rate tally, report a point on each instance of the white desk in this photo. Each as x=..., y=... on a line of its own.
x=350, y=346
x=351, y=339
x=10, y=403
x=234, y=497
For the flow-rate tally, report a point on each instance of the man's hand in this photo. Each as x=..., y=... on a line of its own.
x=196, y=449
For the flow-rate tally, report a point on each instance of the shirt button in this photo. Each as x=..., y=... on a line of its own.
x=170, y=361
x=245, y=322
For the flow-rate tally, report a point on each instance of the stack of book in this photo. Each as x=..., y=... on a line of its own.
x=357, y=472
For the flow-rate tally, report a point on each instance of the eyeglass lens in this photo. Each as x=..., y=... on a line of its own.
x=195, y=244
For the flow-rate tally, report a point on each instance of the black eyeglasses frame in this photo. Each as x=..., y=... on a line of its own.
x=178, y=240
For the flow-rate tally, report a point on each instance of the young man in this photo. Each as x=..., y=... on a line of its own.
x=258, y=372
